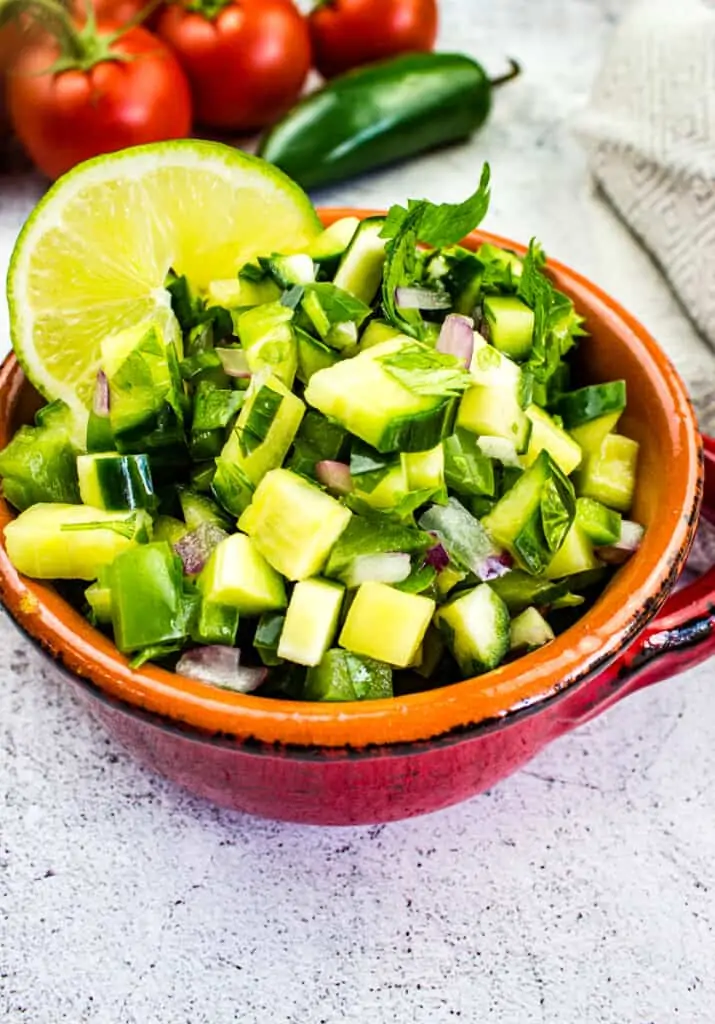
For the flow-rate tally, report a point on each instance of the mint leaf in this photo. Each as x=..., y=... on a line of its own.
x=431, y=224
x=424, y=371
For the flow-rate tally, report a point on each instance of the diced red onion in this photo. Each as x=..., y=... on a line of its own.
x=421, y=298
x=437, y=557
x=493, y=566
x=392, y=567
x=335, y=476
x=457, y=338
x=628, y=543
x=100, y=404
x=195, y=547
x=220, y=666
x=234, y=361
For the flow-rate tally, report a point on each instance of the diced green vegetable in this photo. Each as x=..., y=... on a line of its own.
x=529, y=630
x=240, y=293
x=574, y=556
x=590, y=436
x=57, y=541
x=467, y=470
x=112, y=481
x=360, y=270
x=99, y=599
x=475, y=627
x=148, y=607
x=198, y=509
x=495, y=411
x=288, y=271
x=373, y=536
x=577, y=408
x=335, y=314
x=376, y=332
x=511, y=325
x=267, y=637
x=376, y=604
x=269, y=341
x=519, y=589
x=265, y=430
x=214, y=624
x=311, y=621
x=145, y=392
x=238, y=576
x=369, y=402
x=344, y=676
x=329, y=246
x=425, y=471
x=601, y=525
x=547, y=435
x=609, y=475
x=39, y=463
x=313, y=355
x=534, y=516
x=294, y=524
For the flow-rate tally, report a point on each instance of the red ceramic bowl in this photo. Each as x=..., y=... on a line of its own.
x=383, y=760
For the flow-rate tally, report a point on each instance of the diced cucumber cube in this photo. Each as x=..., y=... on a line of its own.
x=99, y=599
x=215, y=624
x=386, y=624
x=519, y=589
x=294, y=524
x=590, y=436
x=376, y=332
x=530, y=630
x=145, y=390
x=198, y=509
x=267, y=336
x=148, y=607
x=360, y=270
x=390, y=490
x=240, y=293
x=424, y=471
x=267, y=637
x=259, y=442
x=361, y=395
x=495, y=411
x=112, y=481
x=609, y=475
x=331, y=310
x=534, y=515
x=585, y=405
x=313, y=355
x=511, y=325
x=475, y=627
x=492, y=368
x=364, y=538
x=601, y=525
x=344, y=676
x=288, y=271
x=311, y=621
x=547, y=435
x=332, y=243
x=574, y=556
x=238, y=576
x=448, y=579
x=169, y=528
x=71, y=542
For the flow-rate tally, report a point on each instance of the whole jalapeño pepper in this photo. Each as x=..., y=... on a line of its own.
x=380, y=114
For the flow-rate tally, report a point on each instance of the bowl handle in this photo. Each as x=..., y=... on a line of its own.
x=681, y=636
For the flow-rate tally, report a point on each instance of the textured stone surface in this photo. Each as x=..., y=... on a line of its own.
x=581, y=890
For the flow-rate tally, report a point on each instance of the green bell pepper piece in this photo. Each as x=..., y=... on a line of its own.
x=149, y=608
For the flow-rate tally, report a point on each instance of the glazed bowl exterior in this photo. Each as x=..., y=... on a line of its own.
x=382, y=760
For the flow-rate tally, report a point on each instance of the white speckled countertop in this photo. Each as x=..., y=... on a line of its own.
x=581, y=891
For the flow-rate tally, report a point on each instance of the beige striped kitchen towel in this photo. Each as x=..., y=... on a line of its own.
x=650, y=130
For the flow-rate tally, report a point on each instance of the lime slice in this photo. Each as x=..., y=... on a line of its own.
x=93, y=257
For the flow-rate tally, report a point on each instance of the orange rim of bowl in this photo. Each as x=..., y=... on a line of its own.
x=576, y=654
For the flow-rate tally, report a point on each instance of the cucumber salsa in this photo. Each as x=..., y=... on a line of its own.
x=364, y=469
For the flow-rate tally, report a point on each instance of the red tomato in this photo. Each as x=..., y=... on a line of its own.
x=246, y=65
x=118, y=12
x=349, y=33
x=65, y=118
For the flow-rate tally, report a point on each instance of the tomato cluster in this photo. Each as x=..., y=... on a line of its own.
x=88, y=85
